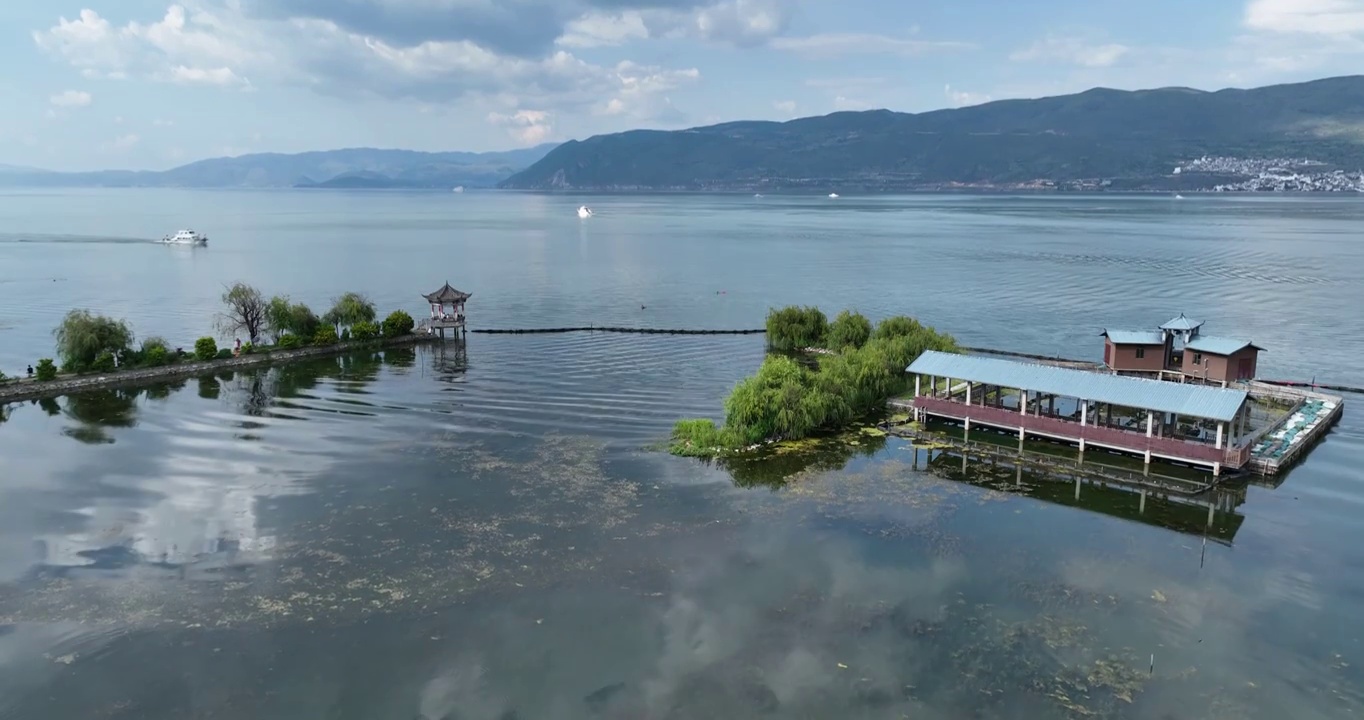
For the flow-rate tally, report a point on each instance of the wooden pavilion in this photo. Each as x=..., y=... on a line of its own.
x=447, y=311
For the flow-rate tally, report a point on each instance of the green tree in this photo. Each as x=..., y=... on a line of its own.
x=243, y=311
x=364, y=330
x=289, y=342
x=45, y=369
x=83, y=335
x=155, y=356
x=398, y=323
x=325, y=335
x=349, y=309
x=849, y=330
x=278, y=317
x=796, y=328
x=303, y=322
x=205, y=348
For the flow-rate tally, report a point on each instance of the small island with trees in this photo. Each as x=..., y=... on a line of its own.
x=93, y=350
x=819, y=377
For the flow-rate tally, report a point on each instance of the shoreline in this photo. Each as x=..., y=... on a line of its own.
x=22, y=389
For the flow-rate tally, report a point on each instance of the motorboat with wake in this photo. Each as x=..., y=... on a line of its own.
x=185, y=237
x=584, y=212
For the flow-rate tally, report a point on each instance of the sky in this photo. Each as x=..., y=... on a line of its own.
x=145, y=84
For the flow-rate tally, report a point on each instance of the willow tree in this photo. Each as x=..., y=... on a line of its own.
x=84, y=335
x=348, y=310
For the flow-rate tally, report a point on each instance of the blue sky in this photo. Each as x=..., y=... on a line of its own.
x=148, y=84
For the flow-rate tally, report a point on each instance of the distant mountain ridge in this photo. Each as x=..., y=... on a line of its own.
x=352, y=167
x=1131, y=138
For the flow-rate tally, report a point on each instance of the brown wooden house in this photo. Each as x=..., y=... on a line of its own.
x=1179, y=348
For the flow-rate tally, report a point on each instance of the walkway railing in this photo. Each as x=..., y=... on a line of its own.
x=1105, y=436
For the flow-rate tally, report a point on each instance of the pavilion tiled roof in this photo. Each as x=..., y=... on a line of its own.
x=447, y=294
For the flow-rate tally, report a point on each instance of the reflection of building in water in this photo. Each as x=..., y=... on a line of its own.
x=1212, y=513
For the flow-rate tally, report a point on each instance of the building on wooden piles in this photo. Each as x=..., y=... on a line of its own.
x=1178, y=349
x=1182, y=422
x=447, y=311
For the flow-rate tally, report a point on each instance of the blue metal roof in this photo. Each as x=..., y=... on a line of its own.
x=1216, y=345
x=1134, y=337
x=1189, y=400
x=1182, y=323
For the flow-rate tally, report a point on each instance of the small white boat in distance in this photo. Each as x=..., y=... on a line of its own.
x=1178, y=196
x=458, y=189
x=185, y=237
x=584, y=212
x=833, y=196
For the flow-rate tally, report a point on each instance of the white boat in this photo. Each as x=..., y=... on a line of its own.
x=833, y=196
x=458, y=189
x=185, y=237
x=584, y=212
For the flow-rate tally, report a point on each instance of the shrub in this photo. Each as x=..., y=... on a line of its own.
x=155, y=356
x=325, y=335
x=848, y=330
x=83, y=335
x=397, y=324
x=45, y=369
x=103, y=362
x=796, y=328
x=700, y=438
x=248, y=348
x=155, y=341
x=345, y=335
x=288, y=342
x=364, y=331
x=3, y=377
x=223, y=354
x=205, y=348
x=897, y=326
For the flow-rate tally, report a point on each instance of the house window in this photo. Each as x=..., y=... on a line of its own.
x=1141, y=353
x=1198, y=358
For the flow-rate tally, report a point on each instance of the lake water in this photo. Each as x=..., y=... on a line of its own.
x=484, y=532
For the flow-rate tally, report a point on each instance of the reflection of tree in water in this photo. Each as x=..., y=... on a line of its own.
x=99, y=410
x=774, y=467
x=162, y=391
x=50, y=406
x=257, y=393
x=209, y=387
x=400, y=357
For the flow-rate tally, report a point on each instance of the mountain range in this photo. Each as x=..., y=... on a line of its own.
x=356, y=167
x=1125, y=139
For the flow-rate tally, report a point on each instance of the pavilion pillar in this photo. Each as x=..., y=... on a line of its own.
x=1220, y=427
x=932, y=385
x=1084, y=417
x=1022, y=402
x=968, y=393
x=1051, y=406
x=916, y=386
x=1150, y=423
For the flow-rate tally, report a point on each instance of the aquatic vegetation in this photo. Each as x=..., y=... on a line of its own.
x=786, y=400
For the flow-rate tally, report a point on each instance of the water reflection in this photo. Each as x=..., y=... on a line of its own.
x=98, y=412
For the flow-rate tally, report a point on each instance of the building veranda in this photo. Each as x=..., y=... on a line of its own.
x=1189, y=423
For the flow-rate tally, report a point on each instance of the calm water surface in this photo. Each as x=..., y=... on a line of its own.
x=482, y=532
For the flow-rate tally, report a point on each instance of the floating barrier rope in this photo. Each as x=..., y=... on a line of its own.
x=640, y=331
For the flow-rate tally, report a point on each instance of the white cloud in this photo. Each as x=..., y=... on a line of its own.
x=124, y=142
x=183, y=46
x=1316, y=17
x=833, y=44
x=70, y=99
x=847, y=103
x=528, y=127
x=1072, y=50
x=599, y=30
x=785, y=107
x=228, y=47
x=962, y=98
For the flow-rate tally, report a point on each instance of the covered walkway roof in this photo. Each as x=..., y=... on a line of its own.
x=1200, y=401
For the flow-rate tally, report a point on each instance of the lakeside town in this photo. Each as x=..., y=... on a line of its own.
x=1274, y=175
